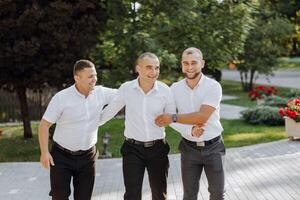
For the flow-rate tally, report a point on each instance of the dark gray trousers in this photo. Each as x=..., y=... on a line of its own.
x=194, y=160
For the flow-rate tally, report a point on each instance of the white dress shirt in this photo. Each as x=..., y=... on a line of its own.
x=187, y=100
x=77, y=116
x=141, y=109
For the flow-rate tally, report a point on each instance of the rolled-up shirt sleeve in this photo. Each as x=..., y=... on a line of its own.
x=215, y=96
x=53, y=111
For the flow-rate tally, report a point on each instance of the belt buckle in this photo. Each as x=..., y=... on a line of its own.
x=148, y=144
x=75, y=153
x=200, y=144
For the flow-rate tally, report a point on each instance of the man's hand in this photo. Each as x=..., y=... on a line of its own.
x=163, y=120
x=46, y=159
x=197, y=130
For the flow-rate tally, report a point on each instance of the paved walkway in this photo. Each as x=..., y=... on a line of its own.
x=230, y=111
x=268, y=171
x=283, y=78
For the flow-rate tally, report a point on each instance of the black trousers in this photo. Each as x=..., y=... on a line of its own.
x=137, y=158
x=79, y=167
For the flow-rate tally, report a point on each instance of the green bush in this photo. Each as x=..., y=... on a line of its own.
x=291, y=94
x=263, y=115
x=294, y=93
x=275, y=101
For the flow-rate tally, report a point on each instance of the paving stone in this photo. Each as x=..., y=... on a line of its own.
x=268, y=171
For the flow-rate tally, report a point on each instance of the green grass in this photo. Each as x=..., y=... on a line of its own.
x=238, y=133
x=13, y=148
x=235, y=89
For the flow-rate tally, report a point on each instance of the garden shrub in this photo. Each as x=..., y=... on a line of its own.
x=291, y=93
x=294, y=93
x=263, y=115
x=275, y=101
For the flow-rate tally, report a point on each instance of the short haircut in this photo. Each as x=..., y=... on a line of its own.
x=82, y=64
x=144, y=55
x=192, y=50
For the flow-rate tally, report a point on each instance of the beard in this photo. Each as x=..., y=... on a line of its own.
x=193, y=76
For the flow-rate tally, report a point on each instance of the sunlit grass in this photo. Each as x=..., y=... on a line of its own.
x=13, y=148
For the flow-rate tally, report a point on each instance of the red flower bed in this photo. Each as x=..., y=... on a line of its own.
x=260, y=92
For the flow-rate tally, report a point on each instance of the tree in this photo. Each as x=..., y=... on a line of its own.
x=218, y=28
x=40, y=40
x=290, y=9
x=264, y=43
x=166, y=28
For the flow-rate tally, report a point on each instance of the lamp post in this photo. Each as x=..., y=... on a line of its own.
x=105, y=140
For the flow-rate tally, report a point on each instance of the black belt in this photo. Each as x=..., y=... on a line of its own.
x=203, y=143
x=74, y=153
x=145, y=144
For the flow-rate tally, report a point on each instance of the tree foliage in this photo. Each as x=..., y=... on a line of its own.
x=40, y=40
x=264, y=43
x=291, y=10
x=166, y=28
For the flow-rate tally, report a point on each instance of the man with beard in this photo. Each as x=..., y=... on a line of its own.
x=75, y=111
x=197, y=98
x=144, y=147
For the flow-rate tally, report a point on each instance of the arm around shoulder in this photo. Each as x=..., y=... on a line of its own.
x=114, y=106
x=109, y=94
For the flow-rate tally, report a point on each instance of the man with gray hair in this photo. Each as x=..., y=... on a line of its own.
x=197, y=99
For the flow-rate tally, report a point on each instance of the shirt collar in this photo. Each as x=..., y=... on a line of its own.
x=200, y=82
x=78, y=93
x=155, y=87
x=136, y=85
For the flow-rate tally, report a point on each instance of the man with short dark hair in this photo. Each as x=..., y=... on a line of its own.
x=197, y=99
x=144, y=147
x=75, y=111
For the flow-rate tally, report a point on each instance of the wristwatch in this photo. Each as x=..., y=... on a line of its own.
x=174, y=118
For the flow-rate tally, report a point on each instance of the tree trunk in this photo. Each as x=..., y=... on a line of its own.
x=242, y=80
x=21, y=91
x=218, y=75
x=295, y=50
x=247, y=84
x=252, y=72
